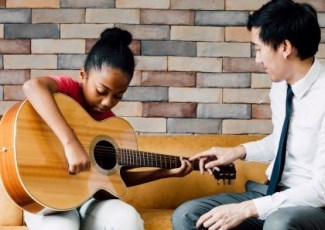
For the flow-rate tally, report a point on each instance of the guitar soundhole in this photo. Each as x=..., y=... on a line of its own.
x=105, y=155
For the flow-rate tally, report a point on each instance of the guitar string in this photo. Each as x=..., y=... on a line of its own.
x=162, y=158
x=132, y=155
x=135, y=152
x=103, y=150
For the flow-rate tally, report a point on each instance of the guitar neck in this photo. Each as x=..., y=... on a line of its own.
x=135, y=158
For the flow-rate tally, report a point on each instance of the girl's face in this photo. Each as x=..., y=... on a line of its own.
x=104, y=88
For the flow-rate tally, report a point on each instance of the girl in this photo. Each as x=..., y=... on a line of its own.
x=105, y=77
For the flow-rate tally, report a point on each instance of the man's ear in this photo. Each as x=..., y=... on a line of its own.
x=82, y=74
x=287, y=48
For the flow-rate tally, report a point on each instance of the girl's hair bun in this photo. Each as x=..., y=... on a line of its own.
x=116, y=36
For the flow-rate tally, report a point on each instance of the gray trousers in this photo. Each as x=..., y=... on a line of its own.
x=300, y=217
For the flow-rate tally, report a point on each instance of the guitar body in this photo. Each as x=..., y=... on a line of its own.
x=34, y=170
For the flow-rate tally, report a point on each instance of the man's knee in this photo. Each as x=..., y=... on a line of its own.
x=180, y=213
x=282, y=219
x=186, y=215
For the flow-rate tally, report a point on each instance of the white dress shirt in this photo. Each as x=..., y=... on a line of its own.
x=304, y=170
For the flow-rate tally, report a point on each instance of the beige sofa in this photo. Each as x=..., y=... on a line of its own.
x=157, y=200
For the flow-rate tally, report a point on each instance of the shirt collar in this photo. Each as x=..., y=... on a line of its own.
x=303, y=85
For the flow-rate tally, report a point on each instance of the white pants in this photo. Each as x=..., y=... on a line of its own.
x=93, y=215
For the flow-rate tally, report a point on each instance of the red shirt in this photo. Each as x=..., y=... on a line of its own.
x=72, y=88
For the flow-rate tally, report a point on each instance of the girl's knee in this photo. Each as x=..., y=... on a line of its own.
x=68, y=220
x=111, y=214
x=132, y=216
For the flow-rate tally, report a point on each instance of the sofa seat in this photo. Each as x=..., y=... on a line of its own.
x=156, y=218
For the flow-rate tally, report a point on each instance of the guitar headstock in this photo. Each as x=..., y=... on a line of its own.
x=226, y=173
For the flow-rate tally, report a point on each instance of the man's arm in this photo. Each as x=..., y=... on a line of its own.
x=310, y=193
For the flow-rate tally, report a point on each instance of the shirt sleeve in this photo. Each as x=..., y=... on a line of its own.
x=261, y=150
x=65, y=84
x=311, y=193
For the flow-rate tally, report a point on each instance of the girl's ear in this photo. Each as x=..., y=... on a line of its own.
x=82, y=73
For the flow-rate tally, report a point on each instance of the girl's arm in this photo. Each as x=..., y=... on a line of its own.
x=132, y=178
x=39, y=92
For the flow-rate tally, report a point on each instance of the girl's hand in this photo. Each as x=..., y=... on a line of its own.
x=182, y=171
x=77, y=158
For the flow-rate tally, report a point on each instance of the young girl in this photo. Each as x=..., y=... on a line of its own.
x=105, y=77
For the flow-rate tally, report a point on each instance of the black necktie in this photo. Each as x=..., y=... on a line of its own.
x=280, y=156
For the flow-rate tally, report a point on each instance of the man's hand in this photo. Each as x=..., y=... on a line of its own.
x=212, y=158
x=227, y=216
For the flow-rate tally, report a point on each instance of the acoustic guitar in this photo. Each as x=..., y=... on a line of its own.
x=34, y=169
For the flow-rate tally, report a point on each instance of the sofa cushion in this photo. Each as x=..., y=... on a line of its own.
x=10, y=213
x=156, y=218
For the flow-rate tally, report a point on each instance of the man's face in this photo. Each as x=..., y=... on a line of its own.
x=273, y=60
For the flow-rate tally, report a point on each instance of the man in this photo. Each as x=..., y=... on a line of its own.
x=286, y=36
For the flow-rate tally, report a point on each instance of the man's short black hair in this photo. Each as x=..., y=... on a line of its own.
x=280, y=20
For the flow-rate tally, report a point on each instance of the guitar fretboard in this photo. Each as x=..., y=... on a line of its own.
x=148, y=159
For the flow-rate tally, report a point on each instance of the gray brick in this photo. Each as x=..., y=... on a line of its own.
x=223, y=49
x=143, y=4
x=166, y=109
x=32, y=31
x=87, y=4
x=223, y=80
x=246, y=126
x=58, y=16
x=147, y=32
x=321, y=19
x=167, y=17
x=198, y=4
x=1, y=62
x=1, y=92
x=221, y=18
x=21, y=61
x=127, y=16
x=147, y=125
x=14, y=77
x=71, y=61
x=224, y=111
x=212, y=126
x=168, y=48
x=248, y=5
x=15, y=15
x=254, y=96
x=175, y=79
x=146, y=94
x=5, y=105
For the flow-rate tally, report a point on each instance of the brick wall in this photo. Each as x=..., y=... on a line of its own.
x=195, y=68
